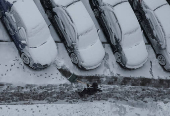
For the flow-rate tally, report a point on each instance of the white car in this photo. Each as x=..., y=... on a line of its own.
x=154, y=16
x=29, y=32
x=76, y=28
x=122, y=29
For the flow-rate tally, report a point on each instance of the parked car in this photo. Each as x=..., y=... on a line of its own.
x=76, y=28
x=122, y=30
x=168, y=1
x=154, y=17
x=29, y=32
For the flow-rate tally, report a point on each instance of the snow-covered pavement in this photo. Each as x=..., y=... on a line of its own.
x=86, y=109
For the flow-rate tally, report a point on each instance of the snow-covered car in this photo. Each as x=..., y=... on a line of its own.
x=154, y=17
x=29, y=32
x=77, y=30
x=122, y=30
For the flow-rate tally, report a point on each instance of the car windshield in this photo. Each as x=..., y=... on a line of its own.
x=38, y=38
x=87, y=39
x=133, y=38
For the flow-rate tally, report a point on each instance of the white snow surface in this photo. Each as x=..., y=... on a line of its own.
x=12, y=69
x=46, y=53
x=101, y=108
x=112, y=2
x=163, y=15
x=153, y=4
x=30, y=16
x=108, y=67
x=92, y=55
x=136, y=55
x=126, y=17
x=81, y=17
x=63, y=2
x=88, y=39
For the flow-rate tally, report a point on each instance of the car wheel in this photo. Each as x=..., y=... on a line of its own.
x=96, y=13
x=25, y=58
x=49, y=14
x=118, y=57
x=74, y=58
x=161, y=60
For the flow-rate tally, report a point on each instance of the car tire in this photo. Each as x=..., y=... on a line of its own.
x=118, y=57
x=74, y=58
x=25, y=58
x=161, y=60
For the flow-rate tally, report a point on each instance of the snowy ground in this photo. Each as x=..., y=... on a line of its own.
x=86, y=109
x=12, y=70
x=109, y=67
x=63, y=101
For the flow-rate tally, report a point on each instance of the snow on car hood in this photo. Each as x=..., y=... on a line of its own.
x=93, y=55
x=136, y=55
x=88, y=38
x=126, y=17
x=153, y=4
x=44, y=54
x=80, y=17
x=63, y=2
x=112, y=2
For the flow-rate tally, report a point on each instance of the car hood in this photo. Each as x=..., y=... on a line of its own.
x=44, y=54
x=92, y=55
x=136, y=55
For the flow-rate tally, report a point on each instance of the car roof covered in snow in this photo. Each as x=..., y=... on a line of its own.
x=112, y=2
x=153, y=4
x=163, y=16
x=29, y=15
x=63, y=2
x=80, y=17
x=126, y=17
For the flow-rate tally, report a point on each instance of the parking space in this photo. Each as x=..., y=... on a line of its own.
x=14, y=71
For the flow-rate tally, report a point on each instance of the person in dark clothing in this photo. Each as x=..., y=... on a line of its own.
x=90, y=90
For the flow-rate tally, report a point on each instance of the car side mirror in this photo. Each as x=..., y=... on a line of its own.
x=23, y=42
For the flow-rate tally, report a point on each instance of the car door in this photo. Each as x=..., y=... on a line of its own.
x=21, y=36
x=66, y=25
x=156, y=29
x=110, y=18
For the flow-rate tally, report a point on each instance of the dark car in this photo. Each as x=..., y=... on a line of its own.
x=154, y=17
x=77, y=30
x=122, y=30
x=29, y=32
